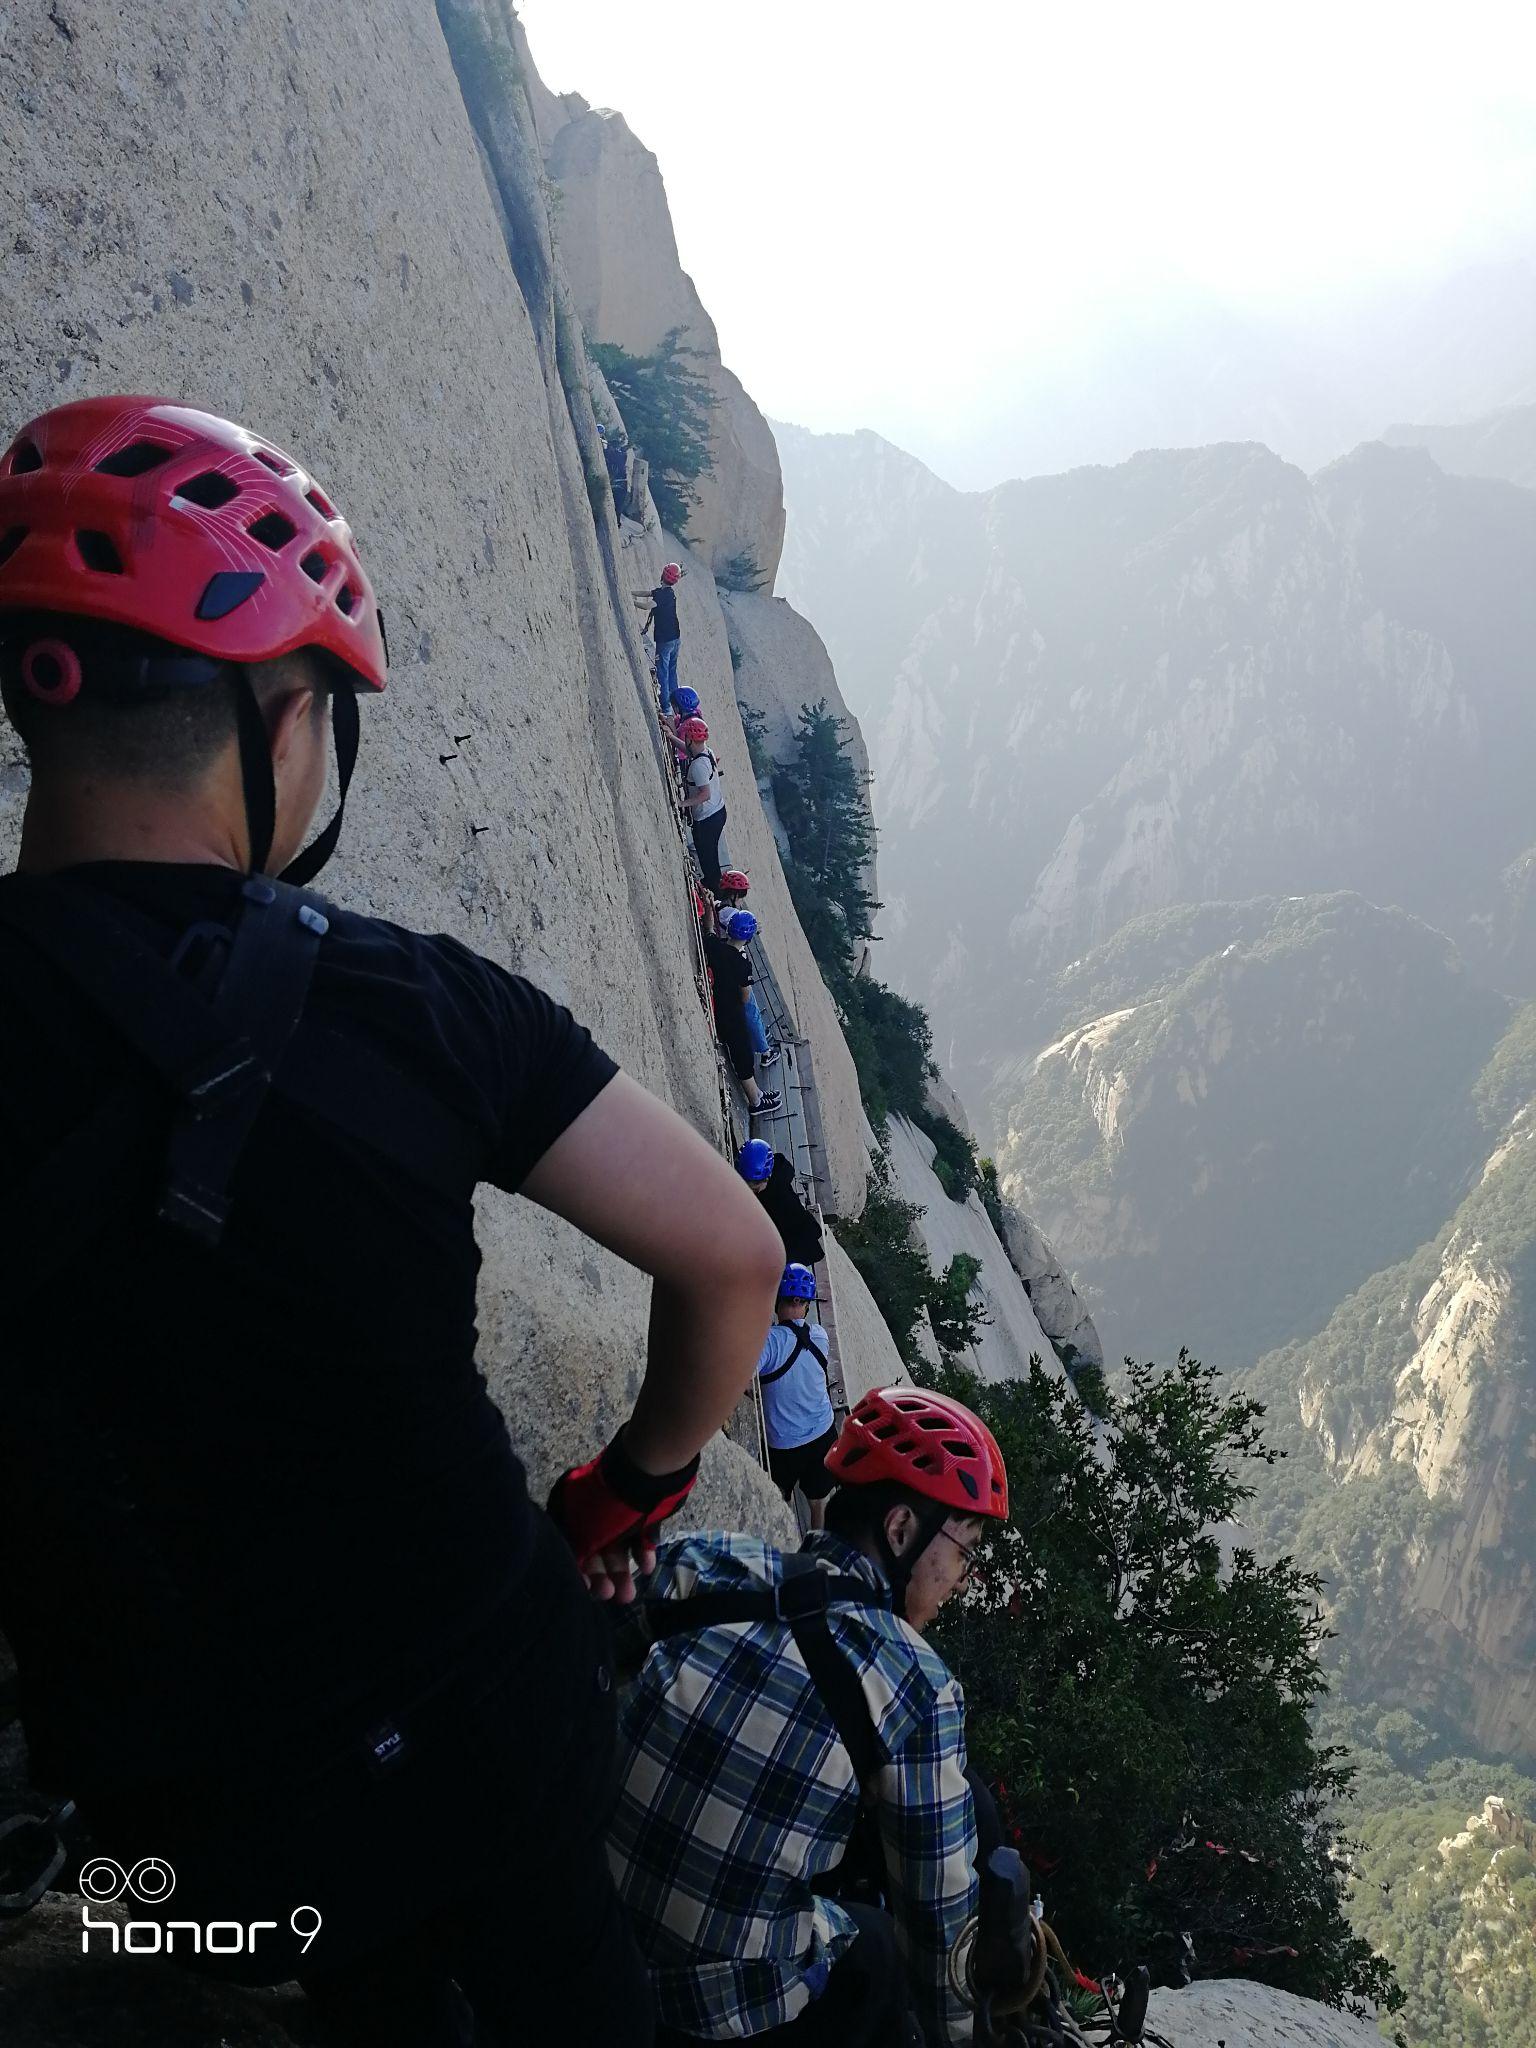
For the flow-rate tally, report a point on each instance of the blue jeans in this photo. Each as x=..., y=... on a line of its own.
x=666, y=670
x=755, y=1031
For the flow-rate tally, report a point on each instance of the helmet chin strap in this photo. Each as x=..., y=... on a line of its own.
x=261, y=789
x=899, y=1570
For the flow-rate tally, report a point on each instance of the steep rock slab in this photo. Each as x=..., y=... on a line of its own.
x=1006, y=1344
x=870, y=1357
x=345, y=284
x=620, y=254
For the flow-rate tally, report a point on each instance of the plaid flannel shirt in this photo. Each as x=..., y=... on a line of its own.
x=736, y=1792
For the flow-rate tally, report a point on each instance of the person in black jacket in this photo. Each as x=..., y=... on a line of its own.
x=772, y=1179
x=668, y=634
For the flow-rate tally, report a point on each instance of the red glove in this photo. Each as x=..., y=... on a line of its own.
x=611, y=1502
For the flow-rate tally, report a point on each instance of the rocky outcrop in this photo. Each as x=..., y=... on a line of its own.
x=1237, y=2014
x=1013, y=1335
x=620, y=255
x=1058, y=1307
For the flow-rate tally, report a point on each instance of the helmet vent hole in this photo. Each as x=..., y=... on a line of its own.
x=210, y=490
x=957, y=1449
x=885, y=1431
x=134, y=460
x=227, y=591
x=927, y=1462
x=270, y=461
x=321, y=502
x=272, y=530
x=346, y=600
x=98, y=552
x=313, y=566
x=969, y=1484
x=10, y=541
x=933, y=1422
x=25, y=457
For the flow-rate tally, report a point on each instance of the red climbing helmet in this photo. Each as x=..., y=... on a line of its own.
x=693, y=731
x=672, y=573
x=733, y=882
x=926, y=1442
x=177, y=526
x=173, y=522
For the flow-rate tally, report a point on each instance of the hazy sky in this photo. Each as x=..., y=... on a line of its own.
x=888, y=207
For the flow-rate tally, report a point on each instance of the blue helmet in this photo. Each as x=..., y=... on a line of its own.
x=741, y=925
x=798, y=1284
x=755, y=1159
x=687, y=701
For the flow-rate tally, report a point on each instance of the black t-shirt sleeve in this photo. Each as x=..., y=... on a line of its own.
x=541, y=1068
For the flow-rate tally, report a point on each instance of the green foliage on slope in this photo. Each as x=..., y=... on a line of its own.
x=1456, y=1928
x=1144, y=1703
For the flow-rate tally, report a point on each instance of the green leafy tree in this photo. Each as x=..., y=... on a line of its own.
x=1143, y=1699
x=666, y=404
x=956, y=1319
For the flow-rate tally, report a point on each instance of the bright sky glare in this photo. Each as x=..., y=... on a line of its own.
x=879, y=200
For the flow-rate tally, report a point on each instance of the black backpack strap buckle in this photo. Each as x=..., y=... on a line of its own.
x=801, y=1596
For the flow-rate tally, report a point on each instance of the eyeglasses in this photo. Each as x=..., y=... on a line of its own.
x=966, y=1550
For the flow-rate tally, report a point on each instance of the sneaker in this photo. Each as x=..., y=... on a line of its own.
x=771, y=1057
x=767, y=1102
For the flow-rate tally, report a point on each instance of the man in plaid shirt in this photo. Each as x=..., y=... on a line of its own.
x=738, y=1792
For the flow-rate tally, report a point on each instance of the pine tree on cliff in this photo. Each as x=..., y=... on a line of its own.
x=666, y=405
x=824, y=807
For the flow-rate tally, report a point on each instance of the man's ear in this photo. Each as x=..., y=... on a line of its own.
x=900, y=1530
x=286, y=717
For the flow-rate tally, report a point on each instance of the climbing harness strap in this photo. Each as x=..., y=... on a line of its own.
x=802, y=1343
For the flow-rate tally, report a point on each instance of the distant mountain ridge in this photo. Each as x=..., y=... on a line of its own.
x=1199, y=675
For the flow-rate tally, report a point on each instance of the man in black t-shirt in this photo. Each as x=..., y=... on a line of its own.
x=666, y=631
x=284, y=1616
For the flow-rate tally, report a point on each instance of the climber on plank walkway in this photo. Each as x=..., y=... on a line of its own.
x=285, y=1617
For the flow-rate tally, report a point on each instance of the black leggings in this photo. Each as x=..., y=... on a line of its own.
x=706, y=844
x=477, y=1860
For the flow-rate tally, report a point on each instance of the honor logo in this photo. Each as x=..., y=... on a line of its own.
x=151, y=1881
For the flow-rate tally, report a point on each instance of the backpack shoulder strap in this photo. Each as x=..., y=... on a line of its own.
x=214, y=1062
x=800, y=1602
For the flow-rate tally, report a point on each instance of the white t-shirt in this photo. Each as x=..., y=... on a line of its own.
x=702, y=775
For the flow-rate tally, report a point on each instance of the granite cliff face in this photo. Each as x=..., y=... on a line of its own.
x=353, y=292
x=1416, y=1409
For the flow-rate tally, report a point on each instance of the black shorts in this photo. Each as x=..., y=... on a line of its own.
x=804, y=1466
